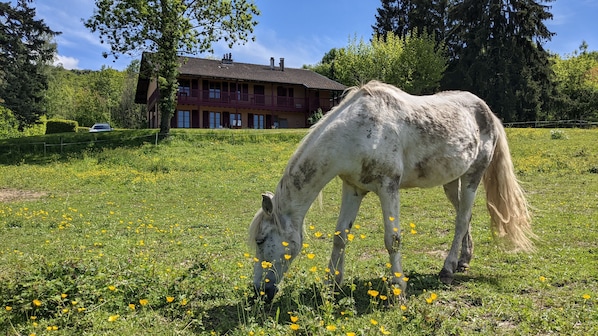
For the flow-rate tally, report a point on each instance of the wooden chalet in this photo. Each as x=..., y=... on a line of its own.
x=226, y=94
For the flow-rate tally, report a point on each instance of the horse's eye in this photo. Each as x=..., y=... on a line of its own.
x=260, y=241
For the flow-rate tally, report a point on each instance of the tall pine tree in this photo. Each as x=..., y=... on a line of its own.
x=25, y=51
x=495, y=48
x=412, y=17
x=497, y=53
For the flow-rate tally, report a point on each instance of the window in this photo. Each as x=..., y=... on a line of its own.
x=184, y=87
x=183, y=120
x=239, y=91
x=215, y=120
x=235, y=120
x=285, y=96
x=214, y=90
x=258, y=121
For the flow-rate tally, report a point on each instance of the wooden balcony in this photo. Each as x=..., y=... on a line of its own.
x=252, y=101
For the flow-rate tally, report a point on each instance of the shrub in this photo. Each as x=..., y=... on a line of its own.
x=61, y=126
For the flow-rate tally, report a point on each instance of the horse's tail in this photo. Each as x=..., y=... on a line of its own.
x=505, y=199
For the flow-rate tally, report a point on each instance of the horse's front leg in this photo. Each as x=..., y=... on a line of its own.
x=351, y=200
x=389, y=200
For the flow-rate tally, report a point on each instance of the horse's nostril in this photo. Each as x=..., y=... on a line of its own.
x=270, y=292
x=267, y=293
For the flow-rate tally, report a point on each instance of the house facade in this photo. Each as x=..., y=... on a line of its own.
x=225, y=94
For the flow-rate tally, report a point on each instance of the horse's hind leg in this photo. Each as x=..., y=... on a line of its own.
x=462, y=240
x=452, y=193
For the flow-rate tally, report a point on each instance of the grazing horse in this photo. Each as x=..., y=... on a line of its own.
x=380, y=139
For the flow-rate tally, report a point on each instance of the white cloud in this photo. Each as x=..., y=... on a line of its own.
x=67, y=62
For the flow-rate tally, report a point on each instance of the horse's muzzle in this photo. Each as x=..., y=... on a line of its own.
x=266, y=292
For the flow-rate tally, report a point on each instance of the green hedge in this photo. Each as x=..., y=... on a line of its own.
x=61, y=126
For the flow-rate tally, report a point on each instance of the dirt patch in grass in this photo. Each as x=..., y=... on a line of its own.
x=11, y=195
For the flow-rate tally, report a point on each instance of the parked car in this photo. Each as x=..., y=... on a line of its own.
x=100, y=127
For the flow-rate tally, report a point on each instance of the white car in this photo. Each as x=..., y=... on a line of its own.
x=100, y=127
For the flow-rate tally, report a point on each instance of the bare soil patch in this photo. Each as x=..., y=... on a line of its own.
x=11, y=195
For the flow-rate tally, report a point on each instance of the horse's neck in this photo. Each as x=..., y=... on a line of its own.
x=301, y=183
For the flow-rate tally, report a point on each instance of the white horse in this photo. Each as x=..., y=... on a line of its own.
x=381, y=139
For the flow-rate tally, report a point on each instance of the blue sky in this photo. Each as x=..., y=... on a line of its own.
x=300, y=31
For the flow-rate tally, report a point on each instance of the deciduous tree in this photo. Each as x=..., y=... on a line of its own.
x=168, y=28
x=412, y=63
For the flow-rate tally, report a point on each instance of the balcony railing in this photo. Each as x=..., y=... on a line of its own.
x=252, y=101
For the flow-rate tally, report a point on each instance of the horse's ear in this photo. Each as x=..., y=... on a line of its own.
x=267, y=205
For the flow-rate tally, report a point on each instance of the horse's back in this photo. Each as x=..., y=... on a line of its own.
x=426, y=140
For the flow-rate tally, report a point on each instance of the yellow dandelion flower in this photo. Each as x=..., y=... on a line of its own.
x=287, y=256
x=373, y=293
x=143, y=302
x=65, y=310
x=413, y=231
x=318, y=234
x=305, y=245
x=8, y=308
x=411, y=225
x=74, y=303
x=362, y=236
x=350, y=334
x=37, y=303
x=285, y=244
x=294, y=326
x=396, y=291
x=311, y=227
x=383, y=297
x=403, y=307
x=313, y=269
x=432, y=297
x=266, y=264
x=112, y=288
x=336, y=233
x=586, y=296
x=169, y=299
x=113, y=318
x=542, y=279
x=183, y=302
x=81, y=309
x=391, y=218
x=246, y=255
x=311, y=256
x=331, y=327
x=373, y=322
x=294, y=319
x=63, y=295
x=388, y=265
x=350, y=237
x=132, y=306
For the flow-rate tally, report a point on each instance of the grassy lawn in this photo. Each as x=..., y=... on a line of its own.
x=136, y=238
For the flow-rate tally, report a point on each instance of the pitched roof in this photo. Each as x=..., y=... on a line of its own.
x=257, y=73
x=217, y=69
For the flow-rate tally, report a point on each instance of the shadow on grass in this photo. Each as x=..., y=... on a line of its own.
x=224, y=318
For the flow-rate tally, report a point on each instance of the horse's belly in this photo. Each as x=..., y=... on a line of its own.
x=435, y=171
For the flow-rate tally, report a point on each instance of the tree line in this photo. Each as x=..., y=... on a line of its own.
x=493, y=48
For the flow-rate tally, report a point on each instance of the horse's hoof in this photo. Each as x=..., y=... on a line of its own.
x=446, y=277
x=463, y=267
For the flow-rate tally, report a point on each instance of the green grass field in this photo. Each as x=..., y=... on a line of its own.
x=139, y=239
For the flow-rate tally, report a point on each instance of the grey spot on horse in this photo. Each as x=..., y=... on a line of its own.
x=368, y=174
x=421, y=168
x=305, y=173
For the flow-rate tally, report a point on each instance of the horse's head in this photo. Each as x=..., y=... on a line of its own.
x=276, y=243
